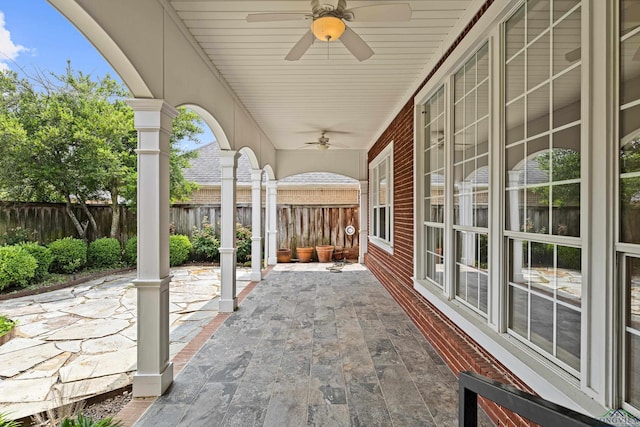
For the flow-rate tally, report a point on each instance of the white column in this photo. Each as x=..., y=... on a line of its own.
x=256, y=216
x=364, y=216
x=152, y=118
x=228, y=299
x=514, y=223
x=465, y=199
x=272, y=198
x=265, y=255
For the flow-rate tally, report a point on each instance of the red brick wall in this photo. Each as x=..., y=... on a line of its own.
x=395, y=272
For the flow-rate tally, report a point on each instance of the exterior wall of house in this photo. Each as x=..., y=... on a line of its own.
x=486, y=339
x=395, y=272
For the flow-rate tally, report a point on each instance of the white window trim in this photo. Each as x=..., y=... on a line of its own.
x=384, y=244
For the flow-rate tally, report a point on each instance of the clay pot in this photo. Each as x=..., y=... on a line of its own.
x=304, y=254
x=284, y=255
x=324, y=253
x=338, y=253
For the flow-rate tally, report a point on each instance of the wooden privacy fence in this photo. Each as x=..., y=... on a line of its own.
x=50, y=221
x=310, y=225
x=185, y=217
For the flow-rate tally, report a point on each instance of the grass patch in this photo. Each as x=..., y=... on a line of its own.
x=6, y=325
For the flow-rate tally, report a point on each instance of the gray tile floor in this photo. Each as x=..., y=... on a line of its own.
x=313, y=348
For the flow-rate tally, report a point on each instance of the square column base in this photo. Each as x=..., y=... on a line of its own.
x=228, y=305
x=256, y=276
x=148, y=385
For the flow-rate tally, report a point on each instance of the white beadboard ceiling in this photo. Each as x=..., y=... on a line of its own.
x=294, y=101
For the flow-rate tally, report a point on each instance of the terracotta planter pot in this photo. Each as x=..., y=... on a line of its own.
x=284, y=255
x=324, y=253
x=304, y=254
x=338, y=253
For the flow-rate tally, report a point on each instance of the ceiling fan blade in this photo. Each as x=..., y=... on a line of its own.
x=381, y=12
x=355, y=44
x=272, y=17
x=301, y=47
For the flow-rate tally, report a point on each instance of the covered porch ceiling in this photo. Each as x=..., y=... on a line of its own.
x=328, y=88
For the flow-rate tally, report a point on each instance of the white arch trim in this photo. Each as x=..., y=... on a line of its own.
x=105, y=45
x=214, y=125
x=269, y=171
x=253, y=160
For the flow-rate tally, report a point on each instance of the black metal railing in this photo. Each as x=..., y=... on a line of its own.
x=527, y=405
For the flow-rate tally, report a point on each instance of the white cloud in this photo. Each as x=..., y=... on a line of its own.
x=9, y=51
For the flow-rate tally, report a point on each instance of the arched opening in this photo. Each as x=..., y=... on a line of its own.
x=319, y=209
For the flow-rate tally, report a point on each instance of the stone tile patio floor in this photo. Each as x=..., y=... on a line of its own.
x=310, y=348
x=64, y=349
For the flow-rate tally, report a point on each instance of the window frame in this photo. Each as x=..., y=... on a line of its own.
x=456, y=226
x=623, y=250
x=385, y=157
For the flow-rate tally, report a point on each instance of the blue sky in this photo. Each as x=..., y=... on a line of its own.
x=36, y=37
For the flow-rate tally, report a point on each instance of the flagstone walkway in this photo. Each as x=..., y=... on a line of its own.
x=80, y=341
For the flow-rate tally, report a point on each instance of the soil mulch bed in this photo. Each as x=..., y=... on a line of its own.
x=48, y=288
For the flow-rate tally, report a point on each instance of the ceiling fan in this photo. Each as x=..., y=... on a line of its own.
x=328, y=24
x=322, y=143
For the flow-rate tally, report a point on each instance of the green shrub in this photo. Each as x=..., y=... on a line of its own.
x=243, y=243
x=43, y=257
x=179, y=249
x=69, y=255
x=82, y=421
x=131, y=251
x=569, y=257
x=205, y=243
x=104, y=252
x=17, y=266
x=6, y=325
x=14, y=236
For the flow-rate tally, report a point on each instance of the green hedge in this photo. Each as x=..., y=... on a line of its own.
x=206, y=244
x=43, y=257
x=131, y=251
x=179, y=249
x=69, y=255
x=243, y=243
x=17, y=266
x=104, y=252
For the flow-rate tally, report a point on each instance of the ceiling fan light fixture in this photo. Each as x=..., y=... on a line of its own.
x=323, y=147
x=327, y=28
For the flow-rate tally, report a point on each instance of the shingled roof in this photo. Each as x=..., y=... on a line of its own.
x=205, y=170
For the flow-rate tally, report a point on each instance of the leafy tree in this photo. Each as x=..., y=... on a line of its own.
x=70, y=138
x=54, y=140
x=561, y=164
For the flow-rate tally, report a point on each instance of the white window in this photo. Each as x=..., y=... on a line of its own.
x=434, y=188
x=629, y=201
x=381, y=182
x=471, y=180
x=542, y=155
